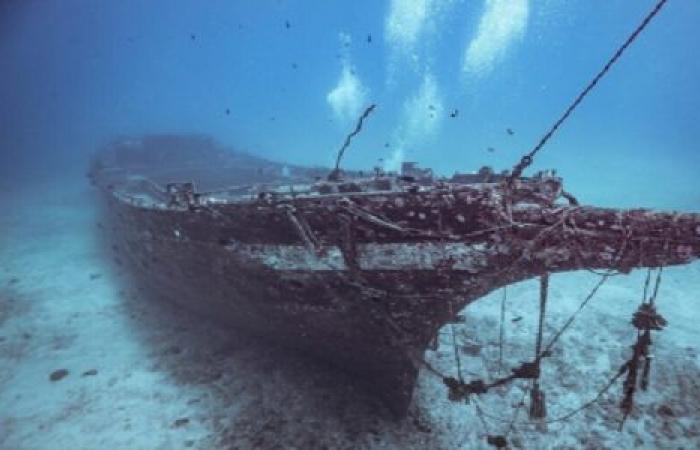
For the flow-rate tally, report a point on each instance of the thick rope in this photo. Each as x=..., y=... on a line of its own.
x=537, y=405
x=528, y=158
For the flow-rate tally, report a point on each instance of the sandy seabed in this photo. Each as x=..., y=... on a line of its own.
x=86, y=362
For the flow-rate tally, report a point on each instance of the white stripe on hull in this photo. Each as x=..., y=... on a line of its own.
x=420, y=256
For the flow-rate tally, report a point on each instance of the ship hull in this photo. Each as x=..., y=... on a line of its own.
x=288, y=295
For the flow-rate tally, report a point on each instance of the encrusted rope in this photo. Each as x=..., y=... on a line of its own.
x=528, y=158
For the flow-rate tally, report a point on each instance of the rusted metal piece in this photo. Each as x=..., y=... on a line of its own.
x=363, y=279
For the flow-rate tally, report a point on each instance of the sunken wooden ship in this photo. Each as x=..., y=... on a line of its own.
x=358, y=269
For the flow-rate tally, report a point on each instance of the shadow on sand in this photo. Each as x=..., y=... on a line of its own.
x=255, y=393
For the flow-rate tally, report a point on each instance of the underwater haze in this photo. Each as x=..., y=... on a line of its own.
x=458, y=84
x=294, y=76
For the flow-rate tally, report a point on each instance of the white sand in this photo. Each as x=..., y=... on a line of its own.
x=166, y=380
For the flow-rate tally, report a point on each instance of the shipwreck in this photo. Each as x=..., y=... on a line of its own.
x=361, y=270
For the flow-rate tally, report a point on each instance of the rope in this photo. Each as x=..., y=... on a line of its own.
x=656, y=286
x=573, y=412
x=459, y=390
x=346, y=144
x=456, y=350
x=511, y=425
x=627, y=367
x=646, y=285
x=537, y=402
x=528, y=158
x=544, y=286
x=603, y=278
x=502, y=330
x=571, y=319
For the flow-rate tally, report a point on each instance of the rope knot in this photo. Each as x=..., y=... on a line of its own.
x=459, y=390
x=527, y=370
x=646, y=318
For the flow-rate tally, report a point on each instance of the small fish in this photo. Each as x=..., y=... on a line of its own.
x=517, y=319
x=59, y=374
x=294, y=66
x=386, y=145
x=510, y=131
x=193, y=36
x=431, y=107
x=491, y=149
x=287, y=25
x=228, y=111
x=369, y=38
x=180, y=422
x=454, y=113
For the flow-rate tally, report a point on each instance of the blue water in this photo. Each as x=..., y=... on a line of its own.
x=76, y=73
x=287, y=80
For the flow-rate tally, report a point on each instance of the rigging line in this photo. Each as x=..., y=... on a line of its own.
x=430, y=368
x=511, y=425
x=594, y=400
x=480, y=413
x=544, y=285
x=502, y=330
x=603, y=278
x=541, y=235
x=527, y=159
x=548, y=348
x=611, y=382
x=454, y=346
x=537, y=396
x=646, y=285
x=656, y=285
x=610, y=273
x=456, y=350
x=560, y=332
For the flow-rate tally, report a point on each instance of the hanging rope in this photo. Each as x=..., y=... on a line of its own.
x=459, y=390
x=570, y=320
x=645, y=319
x=538, y=408
x=544, y=288
x=455, y=348
x=646, y=286
x=573, y=412
x=656, y=286
x=502, y=329
x=528, y=158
